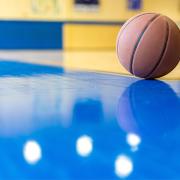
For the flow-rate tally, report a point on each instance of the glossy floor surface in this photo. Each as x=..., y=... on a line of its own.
x=62, y=124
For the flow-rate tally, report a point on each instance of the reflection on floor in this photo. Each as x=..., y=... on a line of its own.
x=114, y=126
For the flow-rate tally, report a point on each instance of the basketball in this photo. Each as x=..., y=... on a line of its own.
x=148, y=45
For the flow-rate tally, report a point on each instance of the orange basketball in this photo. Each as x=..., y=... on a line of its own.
x=148, y=45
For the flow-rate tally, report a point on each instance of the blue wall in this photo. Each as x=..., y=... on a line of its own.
x=30, y=35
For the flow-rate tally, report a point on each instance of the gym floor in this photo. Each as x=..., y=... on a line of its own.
x=68, y=109
x=94, y=121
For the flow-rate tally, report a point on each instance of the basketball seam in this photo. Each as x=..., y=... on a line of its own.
x=138, y=41
x=163, y=51
x=117, y=49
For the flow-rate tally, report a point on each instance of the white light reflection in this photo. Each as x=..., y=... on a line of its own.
x=84, y=145
x=133, y=140
x=123, y=166
x=32, y=152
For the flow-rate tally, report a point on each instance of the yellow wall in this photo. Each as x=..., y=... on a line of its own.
x=116, y=10
x=170, y=8
x=80, y=36
x=104, y=37
x=85, y=36
x=33, y=9
x=110, y=10
x=60, y=9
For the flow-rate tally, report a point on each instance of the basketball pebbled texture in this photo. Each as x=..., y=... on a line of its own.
x=148, y=45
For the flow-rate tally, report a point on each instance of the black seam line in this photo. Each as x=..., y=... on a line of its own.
x=133, y=20
x=138, y=41
x=125, y=28
x=162, y=53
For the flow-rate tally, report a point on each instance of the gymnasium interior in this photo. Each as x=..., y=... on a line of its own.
x=68, y=108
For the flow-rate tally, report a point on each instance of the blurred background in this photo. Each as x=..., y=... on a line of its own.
x=74, y=27
x=72, y=24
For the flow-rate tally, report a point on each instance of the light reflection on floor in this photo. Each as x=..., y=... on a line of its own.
x=62, y=124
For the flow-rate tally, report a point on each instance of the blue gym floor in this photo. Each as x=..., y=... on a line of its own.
x=62, y=124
